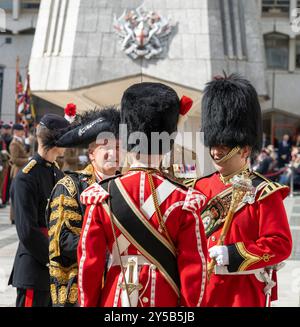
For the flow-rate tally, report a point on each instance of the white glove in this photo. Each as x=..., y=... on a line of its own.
x=220, y=254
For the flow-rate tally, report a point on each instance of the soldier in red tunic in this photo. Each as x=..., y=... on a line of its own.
x=149, y=224
x=259, y=236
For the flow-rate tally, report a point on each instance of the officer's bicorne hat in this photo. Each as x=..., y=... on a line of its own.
x=55, y=126
x=151, y=108
x=91, y=125
x=231, y=114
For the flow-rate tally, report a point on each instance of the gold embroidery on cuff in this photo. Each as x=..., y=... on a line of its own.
x=249, y=258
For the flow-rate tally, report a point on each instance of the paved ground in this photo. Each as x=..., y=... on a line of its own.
x=288, y=277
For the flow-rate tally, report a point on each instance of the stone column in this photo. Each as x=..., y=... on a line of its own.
x=16, y=9
x=292, y=54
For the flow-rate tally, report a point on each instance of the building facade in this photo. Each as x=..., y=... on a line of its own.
x=77, y=55
x=281, y=33
x=15, y=41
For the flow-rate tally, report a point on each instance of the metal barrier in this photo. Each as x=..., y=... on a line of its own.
x=292, y=182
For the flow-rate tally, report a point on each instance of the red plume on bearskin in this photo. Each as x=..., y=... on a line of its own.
x=186, y=104
x=70, y=112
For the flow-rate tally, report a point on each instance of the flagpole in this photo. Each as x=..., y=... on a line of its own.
x=17, y=82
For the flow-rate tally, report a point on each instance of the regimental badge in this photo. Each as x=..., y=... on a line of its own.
x=214, y=214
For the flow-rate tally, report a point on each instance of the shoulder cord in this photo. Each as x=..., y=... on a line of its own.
x=118, y=248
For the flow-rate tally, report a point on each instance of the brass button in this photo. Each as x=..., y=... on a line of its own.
x=213, y=238
x=145, y=299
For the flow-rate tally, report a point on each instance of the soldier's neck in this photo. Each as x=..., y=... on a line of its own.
x=151, y=161
x=225, y=178
x=47, y=155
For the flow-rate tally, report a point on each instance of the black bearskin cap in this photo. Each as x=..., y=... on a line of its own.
x=90, y=125
x=231, y=113
x=150, y=107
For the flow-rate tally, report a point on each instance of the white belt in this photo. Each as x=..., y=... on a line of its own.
x=222, y=270
x=115, y=260
x=132, y=285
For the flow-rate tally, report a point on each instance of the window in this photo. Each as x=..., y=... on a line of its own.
x=6, y=5
x=298, y=52
x=30, y=4
x=275, y=7
x=277, y=50
x=1, y=88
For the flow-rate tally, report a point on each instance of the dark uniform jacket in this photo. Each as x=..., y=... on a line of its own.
x=30, y=192
x=64, y=215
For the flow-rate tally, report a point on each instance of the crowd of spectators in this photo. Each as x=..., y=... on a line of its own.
x=281, y=163
x=17, y=146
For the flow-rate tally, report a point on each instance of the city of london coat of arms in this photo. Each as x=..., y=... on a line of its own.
x=143, y=33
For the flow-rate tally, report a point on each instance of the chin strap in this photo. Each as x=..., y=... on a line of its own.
x=228, y=156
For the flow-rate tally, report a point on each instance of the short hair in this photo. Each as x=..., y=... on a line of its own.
x=46, y=136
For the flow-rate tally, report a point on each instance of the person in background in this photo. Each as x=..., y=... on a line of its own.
x=17, y=150
x=30, y=192
x=18, y=156
x=65, y=212
x=284, y=151
x=6, y=138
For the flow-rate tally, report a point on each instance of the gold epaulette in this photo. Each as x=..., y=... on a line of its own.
x=69, y=184
x=190, y=182
x=88, y=170
x=270, y=188
x=29, y=166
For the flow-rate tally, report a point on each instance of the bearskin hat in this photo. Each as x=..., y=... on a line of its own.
x=150, y=107
x=231, y=113
x=89, y=126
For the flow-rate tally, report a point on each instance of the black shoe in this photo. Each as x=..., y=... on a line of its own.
x=13, y=222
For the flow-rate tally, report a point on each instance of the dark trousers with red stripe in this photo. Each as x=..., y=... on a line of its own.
x=33, y=298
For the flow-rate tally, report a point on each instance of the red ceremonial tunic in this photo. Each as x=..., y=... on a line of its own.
x=259, y=236
x=180, y=209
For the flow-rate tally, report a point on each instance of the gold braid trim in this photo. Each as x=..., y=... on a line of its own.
x=53, y=294
x=226, y=179
x=62, y=294
x=59, y=215
x=190, y=182
x=88, y=170
x=62, y=274
x=69, y=184
x=68, y=201
x=250, y=258
x=68, y=214
x=270, y=189
x=52, y=230
x=73, y=295
x=229, y=155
